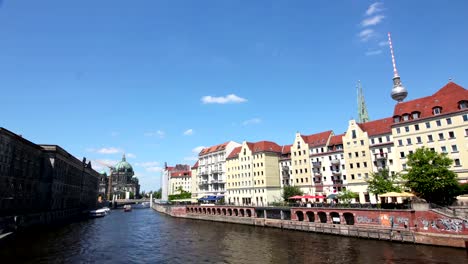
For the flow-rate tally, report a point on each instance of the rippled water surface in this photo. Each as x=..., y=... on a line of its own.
x=144, y=236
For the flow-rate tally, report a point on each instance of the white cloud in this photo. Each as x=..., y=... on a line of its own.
x=130, y=155
x=110, y=150
x=147, y=164
x=154, y=169
x=252, y=121
x=383, y=43
x=188, y=132
x=158, y=133
x=198, y=149
x=374, y=8
x=373, y=52
x=372, y=21
x=366, y=34
x=231, y=98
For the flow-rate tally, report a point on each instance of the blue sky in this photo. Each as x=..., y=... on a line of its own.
x=159, y=79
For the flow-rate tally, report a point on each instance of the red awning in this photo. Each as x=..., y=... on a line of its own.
x=296, y=197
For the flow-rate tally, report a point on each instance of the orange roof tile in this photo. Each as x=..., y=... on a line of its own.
x=377, y=127
x=264, y=146
x=195, y=165
x=213, y=149
x=336, y=140
x=316, y=140
x=447, y=98
x=286, y=149
x=181, y=174
x=234, y=153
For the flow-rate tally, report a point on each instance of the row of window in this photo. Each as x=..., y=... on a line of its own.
x=437, y=110
x=430, y=138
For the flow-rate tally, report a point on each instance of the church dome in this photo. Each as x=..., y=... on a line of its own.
x=123, y=166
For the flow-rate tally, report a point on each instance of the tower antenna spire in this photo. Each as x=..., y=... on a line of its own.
x=399, y=92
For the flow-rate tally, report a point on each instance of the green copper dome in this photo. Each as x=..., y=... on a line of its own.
x=123, y=166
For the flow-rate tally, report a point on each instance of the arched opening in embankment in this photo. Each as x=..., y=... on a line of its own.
x=199, y=210
x=241, y=211
x=249, y=213
x=322, y=216
x=335, y=217
x=224, y=211
x=311, y=216
x=218, y=211
x=236, y=212
x=349, y=218
x=204, y=210
x=230, y=212
x=300, y=215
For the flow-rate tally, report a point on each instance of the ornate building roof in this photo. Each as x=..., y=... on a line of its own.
x=123, y=166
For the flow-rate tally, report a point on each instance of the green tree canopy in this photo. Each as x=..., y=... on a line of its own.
x=430, y=177
x=383, y=182
x=182, y=195
x=289, y=191
x=346, y=196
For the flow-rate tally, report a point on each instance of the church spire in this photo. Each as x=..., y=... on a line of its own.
x=363, y=116
x=123, y=157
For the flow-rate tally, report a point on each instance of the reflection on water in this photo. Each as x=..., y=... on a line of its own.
x=144, y=236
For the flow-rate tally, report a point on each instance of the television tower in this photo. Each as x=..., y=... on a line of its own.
x=399, y=92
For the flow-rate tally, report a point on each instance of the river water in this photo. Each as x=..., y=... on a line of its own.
x=145, y=236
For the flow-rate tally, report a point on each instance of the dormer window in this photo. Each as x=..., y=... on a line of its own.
x=396, y=119
x=405, y=117
x=463, y=104
x=415, y=115
x=437, y=110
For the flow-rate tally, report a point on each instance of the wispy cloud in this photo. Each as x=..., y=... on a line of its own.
x=372, y=21
x=154, y=169
x=366, y=34
x=130, y=155
x=383, y=43
x=374, y=8
x=159, y=133
x=251, y=121
x=188, y=132
x=229, y=99
x=373, y=52
x=198, y=149
x=110, y=150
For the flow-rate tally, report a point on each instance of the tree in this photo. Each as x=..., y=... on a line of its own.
x=182, y=195
x=346, y=196
x=383, y=182
x=157, y=194
x=289, y=191
x=430, y=178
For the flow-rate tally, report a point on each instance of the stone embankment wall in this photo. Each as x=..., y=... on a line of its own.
x=423, y=227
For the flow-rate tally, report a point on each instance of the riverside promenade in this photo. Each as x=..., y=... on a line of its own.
x=420, y=225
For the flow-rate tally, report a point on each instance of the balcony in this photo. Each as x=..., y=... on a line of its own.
x=203, y=173
x=335, y=162
x=215, y=171
x=317, y=174
x=202, y=183
x=318, y=182
x=380, y=156
x=317, y=164
x=336, y=173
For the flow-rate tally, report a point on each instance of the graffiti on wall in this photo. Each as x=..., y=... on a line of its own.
x=362, y=219
x=444, y=224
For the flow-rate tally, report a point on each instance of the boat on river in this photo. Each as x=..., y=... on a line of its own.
x=127, y=208
x=99, y=212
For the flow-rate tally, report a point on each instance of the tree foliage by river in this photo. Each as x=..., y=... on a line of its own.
x=181, y=195
x=289, y=191
x=430, y=178
x=383, y=182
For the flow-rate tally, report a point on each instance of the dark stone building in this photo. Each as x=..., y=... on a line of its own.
x=43, y=183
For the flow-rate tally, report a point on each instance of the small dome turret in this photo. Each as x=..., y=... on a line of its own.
x=123, y=166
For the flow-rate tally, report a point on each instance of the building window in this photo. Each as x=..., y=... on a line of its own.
x=457, y=162
x=429, y=138
x=405, y=117
x=463, y=104
x=407, y=129
x=351, y=165
x=402, y=155
x=365, y=164
x=428, y=125
x=400, y=142
x=358, y=165
x=438, y=123
x=408, y=140
x=454, y=148
x=416, y=127
x=363, y=153
x=356, y=154
x=415, y=115
x=451, y=134
x=353, y=133
x=352, y=176
x=441, y=136
x=436, y=110
x=465, y=118
x=372, y=141
x=380, y=140
x=466, y=132
x=396, y=119
x=350, y=155
x=419, y=140
x=449, y=121
x=443, y=149
x=398, y=130
x=388, y=138
x=359, y=176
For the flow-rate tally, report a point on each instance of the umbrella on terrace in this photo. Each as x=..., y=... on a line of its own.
x=332, y=196
x=296, y=197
